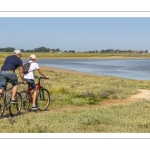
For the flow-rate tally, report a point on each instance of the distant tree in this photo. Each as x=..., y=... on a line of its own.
x=72, y=51
x=22, y=50
x=28, y=50
x=129, y=51
x=8, y=49
x=42, y=49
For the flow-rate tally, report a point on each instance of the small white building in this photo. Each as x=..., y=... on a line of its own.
x=148, y=51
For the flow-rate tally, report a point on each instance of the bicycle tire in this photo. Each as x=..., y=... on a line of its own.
x=25, y=100
x=43, y=99
x=2, y=104
x=15, y=109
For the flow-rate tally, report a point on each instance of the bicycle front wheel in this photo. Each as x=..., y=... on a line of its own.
x=15, y=109
x=43, y=99
x=2, y=104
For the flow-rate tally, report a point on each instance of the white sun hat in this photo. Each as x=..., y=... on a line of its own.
x=17, y=51
x=32, y=56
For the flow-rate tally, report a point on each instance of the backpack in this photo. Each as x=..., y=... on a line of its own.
x=26, y=67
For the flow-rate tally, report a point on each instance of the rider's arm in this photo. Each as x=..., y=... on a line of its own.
x=40, y=72
x=21, y=73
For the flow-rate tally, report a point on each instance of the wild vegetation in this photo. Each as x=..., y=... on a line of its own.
x=76, y=106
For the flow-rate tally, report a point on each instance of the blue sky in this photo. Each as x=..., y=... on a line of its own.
x=75, y=33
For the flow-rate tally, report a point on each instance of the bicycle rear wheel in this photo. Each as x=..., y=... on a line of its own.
x=25, y=100
x=15, y=109
x=43, y=99
x=2, y=104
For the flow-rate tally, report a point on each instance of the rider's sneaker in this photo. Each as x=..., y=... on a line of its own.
x=35, y=107
x=14, y=101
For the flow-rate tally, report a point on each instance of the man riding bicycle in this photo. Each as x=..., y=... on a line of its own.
x=7, y=73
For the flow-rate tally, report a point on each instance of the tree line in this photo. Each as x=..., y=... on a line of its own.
x=57, y=50
x=40, y=49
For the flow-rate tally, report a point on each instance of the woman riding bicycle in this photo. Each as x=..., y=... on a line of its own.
x=29, y=78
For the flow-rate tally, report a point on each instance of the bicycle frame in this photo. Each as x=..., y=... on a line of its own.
x=38, y=86
x=42, y=97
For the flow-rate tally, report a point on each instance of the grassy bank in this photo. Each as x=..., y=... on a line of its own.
x=72, y=97
x=71, y=90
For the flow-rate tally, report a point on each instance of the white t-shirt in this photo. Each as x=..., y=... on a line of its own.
x=30, y=74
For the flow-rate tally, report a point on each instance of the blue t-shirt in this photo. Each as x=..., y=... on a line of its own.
x=12, y=63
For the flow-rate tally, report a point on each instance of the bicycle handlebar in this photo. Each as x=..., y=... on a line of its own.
x=39, y=78
x=36, y=77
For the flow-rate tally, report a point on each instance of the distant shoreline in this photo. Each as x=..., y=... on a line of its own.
x=63, y=70
x=115, y=57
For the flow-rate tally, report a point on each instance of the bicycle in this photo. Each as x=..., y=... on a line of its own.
x=5, y=102
x=42, y=99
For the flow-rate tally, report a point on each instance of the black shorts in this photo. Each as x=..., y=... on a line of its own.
x=31, y=83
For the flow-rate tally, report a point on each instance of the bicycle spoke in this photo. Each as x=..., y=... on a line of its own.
x=15, y=109
x=25, y=100
x=43, y=99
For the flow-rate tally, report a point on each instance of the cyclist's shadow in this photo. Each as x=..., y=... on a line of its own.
x=8, y=116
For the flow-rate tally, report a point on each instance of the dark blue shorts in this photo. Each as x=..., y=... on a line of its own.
x=6, y=76
x=31, y=83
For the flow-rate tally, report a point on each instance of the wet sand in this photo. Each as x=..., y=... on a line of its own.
x=62, y=70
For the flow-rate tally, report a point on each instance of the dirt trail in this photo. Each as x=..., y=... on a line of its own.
x=142, y=95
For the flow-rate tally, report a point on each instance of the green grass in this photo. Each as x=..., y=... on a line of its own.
x=132, y=118
x=83, y=90
x=68, y=89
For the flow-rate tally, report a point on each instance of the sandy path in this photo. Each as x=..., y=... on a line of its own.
x=142, y=95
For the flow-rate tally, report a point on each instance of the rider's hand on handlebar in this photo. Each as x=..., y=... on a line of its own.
x=47, y=77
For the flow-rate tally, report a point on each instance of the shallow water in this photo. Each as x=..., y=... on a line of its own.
x=132, y=68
